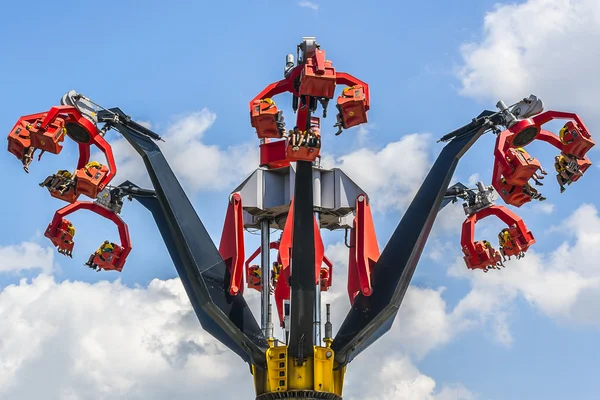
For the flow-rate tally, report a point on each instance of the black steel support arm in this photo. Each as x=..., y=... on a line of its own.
x=203, y=272
x=371, y=317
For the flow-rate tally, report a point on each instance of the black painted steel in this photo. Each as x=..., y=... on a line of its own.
x=371, y=317
x=203, y=272
x=302, y=280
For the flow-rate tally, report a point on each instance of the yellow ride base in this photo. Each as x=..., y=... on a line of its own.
x=316, y=378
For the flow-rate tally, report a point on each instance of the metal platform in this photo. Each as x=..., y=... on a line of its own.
x=267, y=193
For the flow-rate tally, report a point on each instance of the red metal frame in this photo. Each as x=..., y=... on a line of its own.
x=282, y=290
x=103, y=212
x=479, y=259
x=271, y=153
x=71, y=114
x=232, y=244
x=364, y=250
x=504, y=142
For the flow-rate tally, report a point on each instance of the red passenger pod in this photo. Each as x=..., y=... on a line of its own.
x=352, y=105
x=116, y=260
x=480, y=256
x=264, y=117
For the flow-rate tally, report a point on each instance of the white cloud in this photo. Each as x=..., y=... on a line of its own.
x=309, y=4
x=199, y=166
x=392, y=175
x=563, y=284
x=398, y=378
x=77, y=340
x=546, y=47
x=80, y=341
x=26, y=256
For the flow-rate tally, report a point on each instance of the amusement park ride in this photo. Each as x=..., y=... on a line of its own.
x=291, y=192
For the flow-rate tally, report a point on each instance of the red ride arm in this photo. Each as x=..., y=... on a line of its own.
x=347, y=79
x=74, y=115
x=231, y=247
x=504, y=214
x=275, y=88
x=548, y=116
x=103, y=212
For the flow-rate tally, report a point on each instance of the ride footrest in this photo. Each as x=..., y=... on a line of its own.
x=49, y=139
x=577, y=142
x=109, y=260
x=523, y=167
x=88, y=180
x=352, y=106
x=19, y=140
x=318, y=77
x=267, y=119
x=484, y=258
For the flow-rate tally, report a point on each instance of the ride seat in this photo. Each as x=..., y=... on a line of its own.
x=352, y=106
x=577, y=142
x=60, y=236
x=523, y=167
x=304, y=153
x=70, y=195
x=88, y=180
x=19, y=140
x=325, y=279
x=253, y=278
x=265, y=118
x=583, y=166
x=483, y=257
x=111, y=259
x=512, y=194
x=48, y=140
x=318, y=77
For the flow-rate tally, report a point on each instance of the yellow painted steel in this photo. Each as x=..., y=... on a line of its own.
x=283, y=374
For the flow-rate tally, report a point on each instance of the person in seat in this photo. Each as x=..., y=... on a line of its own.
x=536, y=178
x=566, y=168
x=275, y=272
x=71, y=232
x=562, y=133
x=314, y=137
x=103, y=251
x=28, y=158
x=90, y=165
x=61, y=181
x=532, y=192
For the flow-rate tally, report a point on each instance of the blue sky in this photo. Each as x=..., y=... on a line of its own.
x=505, y=335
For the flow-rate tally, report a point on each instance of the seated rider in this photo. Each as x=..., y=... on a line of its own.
x=61, y=181
x=314, y=137
x=562, y=133
x=487, y=244
x=566, y=168
x=103, y=251
x=27, y=158
x=532, y=192
x=275, y=272
x=535, y=176
x=90, y=165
